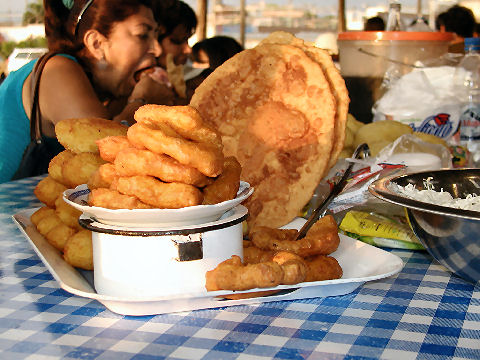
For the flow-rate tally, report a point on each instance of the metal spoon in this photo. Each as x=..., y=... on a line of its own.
x=337, y=189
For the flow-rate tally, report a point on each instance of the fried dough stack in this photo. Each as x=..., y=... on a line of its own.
x=281, y=109
x=272, y=258
x=57, y=221
x=168, y=159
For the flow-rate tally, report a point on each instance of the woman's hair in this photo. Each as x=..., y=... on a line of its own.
x=171, y=13
x=65, y=32
x=218, y=49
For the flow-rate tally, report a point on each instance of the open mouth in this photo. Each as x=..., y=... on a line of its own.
x=139, y=73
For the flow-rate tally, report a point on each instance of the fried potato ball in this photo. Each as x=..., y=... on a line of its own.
x=78, y=250
x=80, y=168
x=48, y=190
x=80, y=135
x=42, y=212
x=59, y=235
x=47, y=223
x=67, y=213
x=56, y=165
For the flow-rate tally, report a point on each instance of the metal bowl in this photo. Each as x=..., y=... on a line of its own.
x=450, y=235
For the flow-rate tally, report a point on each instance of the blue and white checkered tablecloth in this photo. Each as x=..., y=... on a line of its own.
x=421, y=313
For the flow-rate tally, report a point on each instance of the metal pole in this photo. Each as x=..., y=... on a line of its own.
x=202, y=19
x=341, y=26
x=243, y=16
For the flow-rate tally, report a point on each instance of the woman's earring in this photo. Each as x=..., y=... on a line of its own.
x=102, y=64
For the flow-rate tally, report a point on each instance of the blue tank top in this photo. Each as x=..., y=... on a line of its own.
x=14, y=122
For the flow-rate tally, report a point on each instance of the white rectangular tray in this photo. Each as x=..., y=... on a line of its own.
x=360, y=263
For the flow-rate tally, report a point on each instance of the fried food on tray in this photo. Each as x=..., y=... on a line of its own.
x=59, y=235
x=231, y=274
x=80, y=135
x=335, y=80
x=48, y=190
x=275, y=111
x=162, y=139
x=322, y=267
x=112, y=199
x=226, y=185
x=293, y=266
x=67, y=213
x=131, y=162
x=47, y=223
x=103, y=177
x=322, y=238
x=254, y=255
x=110, y=146
x=39, y=214
x=78, y=250
x=80, y=168
x=55, y=167
x=159, y=194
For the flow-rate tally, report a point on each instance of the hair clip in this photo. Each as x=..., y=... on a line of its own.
x=79, y=17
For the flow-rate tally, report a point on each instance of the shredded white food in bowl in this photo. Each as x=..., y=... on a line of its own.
x=442, y=198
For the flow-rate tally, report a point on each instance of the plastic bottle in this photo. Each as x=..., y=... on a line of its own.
x=468, y=80
x=394, y=22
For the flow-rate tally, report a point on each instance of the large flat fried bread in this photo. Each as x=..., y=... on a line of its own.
x=337, y=84
x=275, y=112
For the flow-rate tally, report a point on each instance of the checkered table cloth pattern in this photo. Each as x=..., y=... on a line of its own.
x=421, y=313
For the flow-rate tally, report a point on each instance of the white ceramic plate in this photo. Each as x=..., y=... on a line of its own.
x=147, y=218
x=360, y=263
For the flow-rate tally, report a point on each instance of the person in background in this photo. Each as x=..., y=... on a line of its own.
x=209, y=54
x=104, y=46
x=460, y=21
x=375, y=23
x=179, y=23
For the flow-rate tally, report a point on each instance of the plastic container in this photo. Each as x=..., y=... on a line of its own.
x=365, y=57
x=467, y=79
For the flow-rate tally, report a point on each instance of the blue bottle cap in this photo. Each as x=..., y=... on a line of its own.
x=472, y=43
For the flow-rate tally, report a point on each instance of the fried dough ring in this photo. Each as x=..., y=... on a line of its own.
x=132, y=162
x=110, y=146
x=103, y=177
x=321, y=239
x=226, y=185
x=161, y=139
x=112, y=199
x=185, y=120
x=231, y=274
x=159, y=194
